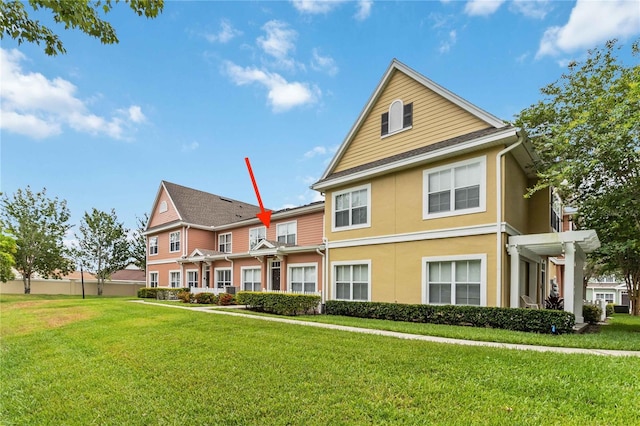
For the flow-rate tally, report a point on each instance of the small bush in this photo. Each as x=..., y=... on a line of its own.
x=184, y=296
x=159, y=293
x=591, y=313
x=530, y=320
x=225, y=299
x=206, y=298
x=278, y=303
x=609, y=309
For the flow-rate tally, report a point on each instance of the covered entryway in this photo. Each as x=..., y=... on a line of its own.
x=574, y=245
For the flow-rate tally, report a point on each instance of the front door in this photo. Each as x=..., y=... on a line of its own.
x=206, y=276
x=275, y=275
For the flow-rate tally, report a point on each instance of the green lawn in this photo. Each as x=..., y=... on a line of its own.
x=110, y=361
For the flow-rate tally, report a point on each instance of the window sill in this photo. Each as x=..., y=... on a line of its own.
x=349, y=228
x=396, y=132
x=427, y=216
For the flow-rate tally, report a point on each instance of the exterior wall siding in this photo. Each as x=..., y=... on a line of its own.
x=397, y=203
x=199, y=238
x=396, y=269
x=163, y=245
x=158, y=218
x=434, y=119
x=515, y=184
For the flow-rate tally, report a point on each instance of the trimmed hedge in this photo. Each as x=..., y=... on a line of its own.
x=530, y=320
x=609, y=309
x=159, y=293
x=591, y=313
x=278, y=303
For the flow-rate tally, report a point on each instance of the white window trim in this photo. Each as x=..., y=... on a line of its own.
x=604, y=294
x=295, y=230
x=179, y=241
x=157, y=278
x=163, y=207
x=244, y=268
x=400, y=130
x=186, y=273
x=367, y=224
x=156, y=246
x=483, y=275
x=230, y=241
x=350, y=263
x=215, y=276
x=301, y=265
x=180, y=284
x=482, y=207
x=257, y=227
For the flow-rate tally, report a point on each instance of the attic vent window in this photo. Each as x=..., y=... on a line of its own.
x=163, y=207
x=399, y=117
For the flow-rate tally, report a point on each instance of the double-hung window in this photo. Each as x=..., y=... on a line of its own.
x=352, y=208
x=455, y=282
x=223, y=277
x=256, y=235
x=251, y=279
x=286, y=232
x=454, y=189
x=224, y=243
x=175, y=280
x=608, y=297
x=153, y=279
x=352, y=281
x=153, y=246
x=192, y=278
x=174, y=241
x=303, y=278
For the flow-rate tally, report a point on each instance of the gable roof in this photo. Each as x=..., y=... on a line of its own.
x=197, y=207
x=396, y=65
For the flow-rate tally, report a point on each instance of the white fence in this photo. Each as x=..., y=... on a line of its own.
x=216, y=291
x=310, y=293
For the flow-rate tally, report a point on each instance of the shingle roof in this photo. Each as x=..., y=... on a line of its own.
x=129, y=275
x=206, y=209
x=415, y=152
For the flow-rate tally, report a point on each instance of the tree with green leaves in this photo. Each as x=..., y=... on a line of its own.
x=7, y=257
x=139, y=249
x=85, y=15
x=38, y=224
x=587, y=133
x=102, y=247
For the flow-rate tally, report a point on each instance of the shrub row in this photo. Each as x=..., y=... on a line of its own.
x=159, y=293
x=278, y=303
x=223, y=299
x=530, y=320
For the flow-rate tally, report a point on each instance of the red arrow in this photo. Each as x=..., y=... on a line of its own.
x=264, y=215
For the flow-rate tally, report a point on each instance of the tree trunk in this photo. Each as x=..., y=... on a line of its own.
x=100, y=284
x=27, y=284
x=635, y=305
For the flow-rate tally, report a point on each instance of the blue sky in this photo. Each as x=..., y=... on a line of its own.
x=187, y=96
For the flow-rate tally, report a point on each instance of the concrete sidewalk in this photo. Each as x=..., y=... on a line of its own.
x=232, y=311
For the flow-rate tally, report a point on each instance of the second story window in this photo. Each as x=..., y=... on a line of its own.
x=455, y=189
x=174, y=241
x=256, y=235
x=153, y=245
x=286, y=232
x=351, y=208
x=398, y=118
x=224, y=243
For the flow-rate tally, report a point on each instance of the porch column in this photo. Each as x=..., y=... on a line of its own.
x=514, y=294
x=578, y=297
x=568, y=282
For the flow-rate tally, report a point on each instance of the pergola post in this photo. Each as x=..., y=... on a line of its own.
x=568, y=282
x=578, y=297
x=514, y=294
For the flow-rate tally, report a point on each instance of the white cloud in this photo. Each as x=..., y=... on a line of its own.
x=364, y=10
x=482, y=7
x=279, y=40
x=282, y=95
x=315, y=7
x=447, y=44
x=536, y=9
x=225, y=34
x=323, y=63
x=316, y=150
x=190, y=147
x=37, y=107
x=591, y=23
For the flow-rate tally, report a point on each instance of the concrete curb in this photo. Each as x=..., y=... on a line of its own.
x=407, y=336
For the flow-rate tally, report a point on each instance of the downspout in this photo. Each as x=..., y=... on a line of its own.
x=521, y=139
x=325, y=274
x=322, y=298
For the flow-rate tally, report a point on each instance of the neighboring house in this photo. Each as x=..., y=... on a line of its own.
x=200, y=240
x=425, y=204
x=607, y=288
